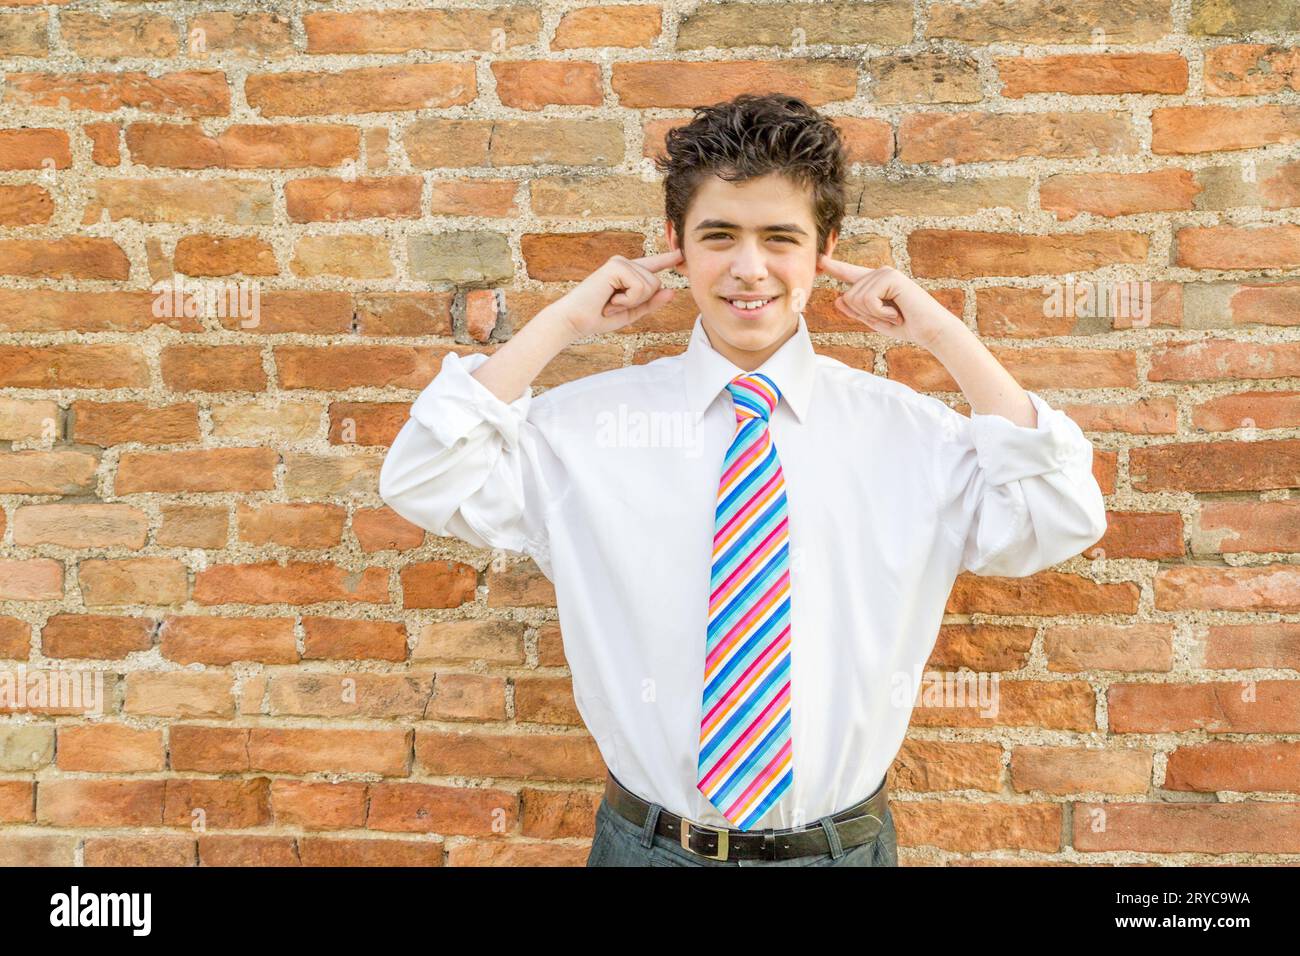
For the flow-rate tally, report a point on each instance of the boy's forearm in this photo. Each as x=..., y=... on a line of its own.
x=512, y=367
x=988, y=386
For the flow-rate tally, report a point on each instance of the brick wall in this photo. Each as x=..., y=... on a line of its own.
x=292, y=674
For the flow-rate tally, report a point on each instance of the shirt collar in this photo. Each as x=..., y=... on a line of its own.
x=792, y=367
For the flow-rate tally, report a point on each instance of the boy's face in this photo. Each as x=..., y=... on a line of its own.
x=756, y=239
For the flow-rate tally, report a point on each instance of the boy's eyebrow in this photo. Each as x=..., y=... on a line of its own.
x=724, y=224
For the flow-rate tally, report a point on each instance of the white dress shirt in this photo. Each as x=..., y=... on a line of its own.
x=610, y=484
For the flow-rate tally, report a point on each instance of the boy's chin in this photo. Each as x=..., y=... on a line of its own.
x=749, y=334
x=776, y=319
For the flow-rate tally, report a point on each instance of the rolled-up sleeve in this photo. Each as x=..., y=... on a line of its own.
x=468, y=465
x=1017, y=499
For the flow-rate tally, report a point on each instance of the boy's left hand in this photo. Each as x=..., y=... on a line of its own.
x=888, y=301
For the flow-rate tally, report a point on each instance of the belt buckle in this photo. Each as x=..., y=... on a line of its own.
x=686, y=839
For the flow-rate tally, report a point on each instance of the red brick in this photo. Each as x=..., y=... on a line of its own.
x=73, y=257
x=34, y=149
x=372, y=89
x=325, y=199
x=1093, y=74
x=262, y=146
x=535, y=84
x=400, y=31
x=187, y=93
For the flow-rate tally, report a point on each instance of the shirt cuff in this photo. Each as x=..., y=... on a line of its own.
x=455, y=402
x=1009, y=452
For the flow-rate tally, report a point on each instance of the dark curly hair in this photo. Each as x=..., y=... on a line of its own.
x=748, y=137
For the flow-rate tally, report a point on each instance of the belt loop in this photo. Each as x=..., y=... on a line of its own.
x=769, y=844
x=832, y=837
x=651, y=822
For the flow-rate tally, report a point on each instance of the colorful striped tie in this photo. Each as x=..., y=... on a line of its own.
x=745, y=762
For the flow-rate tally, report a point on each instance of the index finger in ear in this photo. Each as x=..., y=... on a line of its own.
x=661, y=260
x=844, y=271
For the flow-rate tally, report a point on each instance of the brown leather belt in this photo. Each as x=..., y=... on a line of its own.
x=858, y=824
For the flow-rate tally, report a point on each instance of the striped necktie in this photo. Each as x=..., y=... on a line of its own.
x=745, y=761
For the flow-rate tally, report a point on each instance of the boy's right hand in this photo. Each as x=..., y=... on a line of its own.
x=617, y=294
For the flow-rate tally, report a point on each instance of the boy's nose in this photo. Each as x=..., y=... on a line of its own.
x=748, y=266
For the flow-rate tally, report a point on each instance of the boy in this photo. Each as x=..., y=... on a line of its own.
x=747, y=606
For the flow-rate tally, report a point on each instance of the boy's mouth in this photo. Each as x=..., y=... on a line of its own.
x=750, y=308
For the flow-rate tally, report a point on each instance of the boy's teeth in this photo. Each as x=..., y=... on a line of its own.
x=749, y=305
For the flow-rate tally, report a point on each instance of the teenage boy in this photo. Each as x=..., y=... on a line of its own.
x=752, y=544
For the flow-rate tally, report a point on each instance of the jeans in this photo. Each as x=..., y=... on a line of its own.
x=620, y=842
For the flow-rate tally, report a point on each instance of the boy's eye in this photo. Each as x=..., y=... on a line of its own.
x=723, y=235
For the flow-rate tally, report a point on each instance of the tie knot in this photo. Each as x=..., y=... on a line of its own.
x=754, y=396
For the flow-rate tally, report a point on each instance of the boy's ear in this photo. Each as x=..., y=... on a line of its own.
x=831, y=239
x=674, y=242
